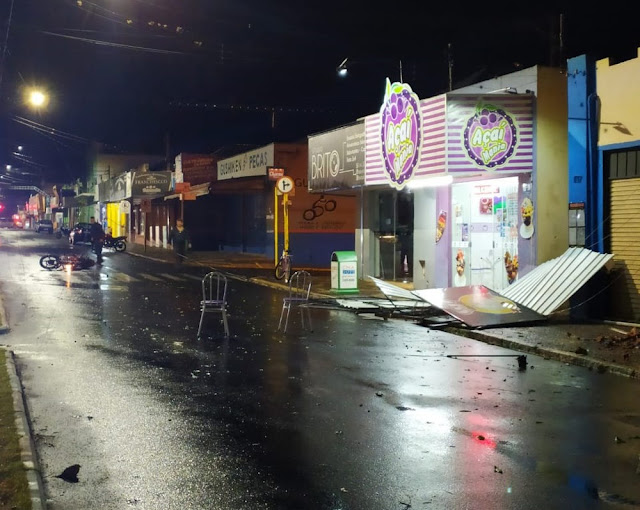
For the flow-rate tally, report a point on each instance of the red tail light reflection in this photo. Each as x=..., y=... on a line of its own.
x=484, y=439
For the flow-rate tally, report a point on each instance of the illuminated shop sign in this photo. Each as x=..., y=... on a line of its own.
x=490, y=136
x=400, y=133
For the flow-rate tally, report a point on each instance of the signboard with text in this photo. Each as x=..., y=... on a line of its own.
x=249, y=164
x=150, y=183
x=336, y=158
x=195, y=168
x=274, y=173
x=400, y=133
x=490, y=133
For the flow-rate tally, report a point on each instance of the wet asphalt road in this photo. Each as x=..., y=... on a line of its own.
x=358, y=414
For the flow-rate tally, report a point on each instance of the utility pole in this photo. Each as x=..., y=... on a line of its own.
x=561, y=43
x=167, y=151
x=450, y=65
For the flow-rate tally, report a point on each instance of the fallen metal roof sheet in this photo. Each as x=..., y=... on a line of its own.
x=550, y=284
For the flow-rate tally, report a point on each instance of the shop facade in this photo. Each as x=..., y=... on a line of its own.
x=454, y=192
x=114, y=197
x=192, y=200
x=125, y=205
x=246, y=205
x=604, y=177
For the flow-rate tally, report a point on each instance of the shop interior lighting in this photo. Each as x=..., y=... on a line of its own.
x=443, y=180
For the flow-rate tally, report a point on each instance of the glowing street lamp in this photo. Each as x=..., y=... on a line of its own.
x=343, y=67
x=36, y=98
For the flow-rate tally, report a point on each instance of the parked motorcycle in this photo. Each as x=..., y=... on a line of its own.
x=118, y=244
x=62, y=231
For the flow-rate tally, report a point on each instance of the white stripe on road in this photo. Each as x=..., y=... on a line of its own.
x=150, y=277
x=193, y=277
x=123, y=277
x=172, y=277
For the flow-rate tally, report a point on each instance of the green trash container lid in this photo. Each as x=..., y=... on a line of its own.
x=344, y=256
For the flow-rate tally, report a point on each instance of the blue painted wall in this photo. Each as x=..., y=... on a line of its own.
x=585, y=169
x=314, y=250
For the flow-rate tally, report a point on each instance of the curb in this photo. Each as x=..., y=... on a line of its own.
x=27, y=446
x=255, y=280
x=555, y=354
x=4, y=324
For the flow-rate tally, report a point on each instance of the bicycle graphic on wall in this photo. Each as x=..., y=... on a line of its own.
x=319, y=207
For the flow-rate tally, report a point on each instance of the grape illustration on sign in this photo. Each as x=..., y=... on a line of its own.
x=490, y=136
x=400, y=132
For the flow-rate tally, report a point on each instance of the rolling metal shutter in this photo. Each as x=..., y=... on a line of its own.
x=625, y=244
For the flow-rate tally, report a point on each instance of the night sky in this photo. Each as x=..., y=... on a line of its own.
x=213, y=74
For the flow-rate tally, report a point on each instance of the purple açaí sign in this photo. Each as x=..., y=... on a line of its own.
x=400, y=132
x=490, y=136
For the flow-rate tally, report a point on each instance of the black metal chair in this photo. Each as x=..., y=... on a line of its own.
x=214, y=298
x=297, y=296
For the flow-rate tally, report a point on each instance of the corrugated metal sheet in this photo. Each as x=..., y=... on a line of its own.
x=550, y=284
x=625, y=232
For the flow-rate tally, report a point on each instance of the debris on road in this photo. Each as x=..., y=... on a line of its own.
x=631, y=339
x=70, y=474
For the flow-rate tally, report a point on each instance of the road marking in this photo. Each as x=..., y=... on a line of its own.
x=193, y=277
x=123, y=277
x=108, y=286
x=172, y=277
x=150, y=277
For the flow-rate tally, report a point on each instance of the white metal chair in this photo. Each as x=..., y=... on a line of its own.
x=214, y=298
x=297, y=296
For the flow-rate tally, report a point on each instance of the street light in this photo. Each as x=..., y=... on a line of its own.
x=343, y=68
x=36, y=98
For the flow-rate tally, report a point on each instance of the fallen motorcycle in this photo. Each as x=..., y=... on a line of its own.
x=69, y=262
x=118, y=244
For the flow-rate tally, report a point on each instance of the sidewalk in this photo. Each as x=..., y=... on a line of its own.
x=600, y=346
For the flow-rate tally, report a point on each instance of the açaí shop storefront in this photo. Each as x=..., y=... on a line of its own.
x=448, y=189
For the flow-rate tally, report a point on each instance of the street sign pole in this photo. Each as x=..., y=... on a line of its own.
x=275, y=225
x=285, y=214
x=284, y=186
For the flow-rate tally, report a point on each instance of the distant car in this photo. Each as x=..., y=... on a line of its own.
x=81, y=233
x=44, y=226
x=6, y=222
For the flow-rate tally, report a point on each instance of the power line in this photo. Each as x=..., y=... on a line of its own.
x=49, y=130
x=98, y=42
x=6, y=42
x=247, y=108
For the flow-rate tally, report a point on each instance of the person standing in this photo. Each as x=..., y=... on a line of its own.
x=97, y=238
x=179, y=239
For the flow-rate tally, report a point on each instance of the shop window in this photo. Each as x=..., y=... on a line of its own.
x=624, y=164
x=576, y=225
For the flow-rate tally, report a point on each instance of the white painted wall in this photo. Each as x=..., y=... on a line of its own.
x=424, y=237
